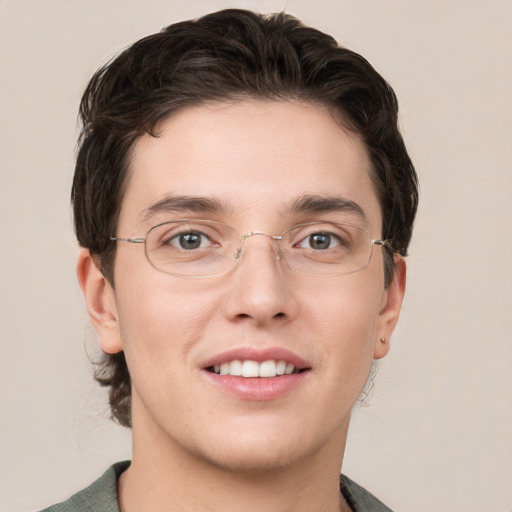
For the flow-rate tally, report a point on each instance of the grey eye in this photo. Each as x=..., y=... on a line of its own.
x=320, y=241
x=189, y=241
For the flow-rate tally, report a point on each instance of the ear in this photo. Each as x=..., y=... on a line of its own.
x=101, y=302
x=390, y=308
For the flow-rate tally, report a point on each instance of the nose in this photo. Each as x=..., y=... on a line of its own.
x=259, y=290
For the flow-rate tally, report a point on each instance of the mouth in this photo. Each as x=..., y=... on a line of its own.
x=255, y=374
x=249, y=368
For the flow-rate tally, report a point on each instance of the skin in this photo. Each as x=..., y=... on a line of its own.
x=193, y=443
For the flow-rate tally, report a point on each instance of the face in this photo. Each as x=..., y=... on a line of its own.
x=249, y=165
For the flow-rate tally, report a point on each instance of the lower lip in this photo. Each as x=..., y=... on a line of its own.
x=257, y=389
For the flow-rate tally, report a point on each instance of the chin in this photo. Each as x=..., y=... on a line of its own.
x=254, y=459
x=259, y=449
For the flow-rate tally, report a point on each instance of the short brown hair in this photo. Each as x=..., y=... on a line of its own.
x=231, y=54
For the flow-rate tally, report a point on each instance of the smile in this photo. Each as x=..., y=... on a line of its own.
x=250, y=369
x=257, y=374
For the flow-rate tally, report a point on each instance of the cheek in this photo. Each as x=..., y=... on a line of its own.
x=346, y=318
x=349, y=303
x=159, y=328
x=160, y=316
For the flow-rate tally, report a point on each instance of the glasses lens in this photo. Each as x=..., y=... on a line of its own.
x=327, y=248
x=192, y=249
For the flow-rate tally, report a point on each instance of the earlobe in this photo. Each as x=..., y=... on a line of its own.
x=101, y=302
x=390, y=308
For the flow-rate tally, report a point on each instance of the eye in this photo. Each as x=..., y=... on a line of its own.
x=190, y=240
x=320, y=241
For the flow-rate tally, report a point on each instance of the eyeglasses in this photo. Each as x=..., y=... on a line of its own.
x=205, y=248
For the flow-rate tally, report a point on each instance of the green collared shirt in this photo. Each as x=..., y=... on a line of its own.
x=101, y=496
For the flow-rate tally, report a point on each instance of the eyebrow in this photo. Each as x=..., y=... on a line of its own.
x=326, y=204
x=176, y=204
x=313, y=204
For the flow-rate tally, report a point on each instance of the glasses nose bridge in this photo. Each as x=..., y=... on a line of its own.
x=274, y=239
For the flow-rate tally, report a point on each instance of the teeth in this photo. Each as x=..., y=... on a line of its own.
x=268, y=369
x=281, y=367
x=248, y=368
x=235, y=368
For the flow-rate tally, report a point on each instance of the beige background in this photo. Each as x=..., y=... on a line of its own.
x=437, y=433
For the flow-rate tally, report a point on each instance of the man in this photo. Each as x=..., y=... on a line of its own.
x=244, y=202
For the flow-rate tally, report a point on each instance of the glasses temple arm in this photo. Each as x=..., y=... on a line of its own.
x=129, y=240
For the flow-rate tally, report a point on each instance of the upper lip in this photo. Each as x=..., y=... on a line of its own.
x=257, y=354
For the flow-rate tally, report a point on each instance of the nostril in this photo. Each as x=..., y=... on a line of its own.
x=279, y=315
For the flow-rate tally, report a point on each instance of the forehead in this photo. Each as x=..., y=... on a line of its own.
x=253, y=159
